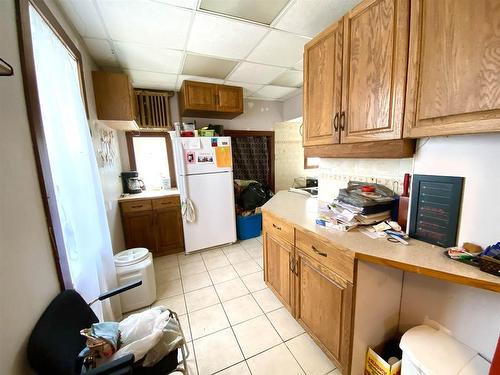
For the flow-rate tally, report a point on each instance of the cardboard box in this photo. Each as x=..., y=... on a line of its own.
x=376, y=365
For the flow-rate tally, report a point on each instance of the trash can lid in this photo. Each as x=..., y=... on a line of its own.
x=433, y=351
x=131, y=256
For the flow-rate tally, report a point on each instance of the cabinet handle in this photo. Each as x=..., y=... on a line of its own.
x=318, y=252
x=336, y=122
x=342, y=120
x=137, y=206
x=277, y=227
x=292, y=266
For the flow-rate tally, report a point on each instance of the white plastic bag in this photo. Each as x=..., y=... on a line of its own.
x=149, y=335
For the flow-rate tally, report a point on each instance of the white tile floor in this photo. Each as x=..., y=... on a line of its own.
x=233, y=323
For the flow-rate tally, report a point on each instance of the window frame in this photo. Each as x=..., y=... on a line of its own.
x=170, y=153
x=36, y=124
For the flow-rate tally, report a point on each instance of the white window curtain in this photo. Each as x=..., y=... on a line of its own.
x=73, y=167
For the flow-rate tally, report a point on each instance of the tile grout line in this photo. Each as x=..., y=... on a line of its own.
x=189, y=323
x=230, y=326
x=227, y=318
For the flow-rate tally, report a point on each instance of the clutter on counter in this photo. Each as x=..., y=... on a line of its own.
x=488, y=260
x=359, y=204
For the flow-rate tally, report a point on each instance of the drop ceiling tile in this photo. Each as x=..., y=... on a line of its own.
x=101, y=52
x=258, y=11
x=181, y=78
x=143, y=57
x=207, y=66
x=308, y=18
x=146, y=22
x=84, y=16
x=190, y=4
x=152, y=80
x=279, y=48
x=290, y=78
x=273, y=92
x=219, y=36
x=248, y=88
x=255, y=73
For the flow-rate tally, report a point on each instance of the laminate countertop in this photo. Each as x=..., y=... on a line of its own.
x=149, y=194
x=418, y=257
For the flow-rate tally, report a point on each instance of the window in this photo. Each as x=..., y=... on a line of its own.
x=150, y=154
x=67, y=164
x=310, y=163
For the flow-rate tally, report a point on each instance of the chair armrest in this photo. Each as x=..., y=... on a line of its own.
x=119, y=290
x=120, y=366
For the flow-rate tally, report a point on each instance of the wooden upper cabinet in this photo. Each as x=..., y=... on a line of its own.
x=229, y=99
x=199, y=96
x=322, y=87
x=114, y=100
x=198, y=99
x=374, y=70
x=454, y=68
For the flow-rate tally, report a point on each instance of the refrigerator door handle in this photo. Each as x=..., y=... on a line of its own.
x=188, y=211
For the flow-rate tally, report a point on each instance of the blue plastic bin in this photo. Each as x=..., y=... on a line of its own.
x=248, y=226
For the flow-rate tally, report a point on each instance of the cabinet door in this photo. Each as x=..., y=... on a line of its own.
x=374, y=70
x=229, y=99
x=169, y=235
x=114, y=98
x=278, y=256
x=324, y=307
x=139, y=231
x=322, y=87
x=200, y=96
x=454, y=68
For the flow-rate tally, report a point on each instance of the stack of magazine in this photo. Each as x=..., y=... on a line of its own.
x=356, y=206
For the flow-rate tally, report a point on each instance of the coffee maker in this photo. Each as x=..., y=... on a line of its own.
x=131, y=182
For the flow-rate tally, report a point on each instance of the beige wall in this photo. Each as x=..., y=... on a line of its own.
x=28, y=279
x=292, y=107
x=289, y=155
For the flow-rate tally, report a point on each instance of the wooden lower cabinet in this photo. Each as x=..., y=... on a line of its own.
x=323, y=306
x=154, y=224
x=278, y=258
x=138, y=229
x=169, y=237
x=317, y=290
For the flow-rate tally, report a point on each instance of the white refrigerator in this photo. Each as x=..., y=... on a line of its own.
x=204, y=174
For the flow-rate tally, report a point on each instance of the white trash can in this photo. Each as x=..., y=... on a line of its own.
x=428, y=351
x=133, y=265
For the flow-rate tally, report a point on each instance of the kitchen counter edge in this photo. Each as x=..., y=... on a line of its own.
x=418, y=257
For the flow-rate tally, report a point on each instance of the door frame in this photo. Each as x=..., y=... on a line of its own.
x=270, y=147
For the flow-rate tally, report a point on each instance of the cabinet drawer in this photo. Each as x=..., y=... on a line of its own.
x=135, y=206
x=334, y=258
x=166, y=202
x=278, y=227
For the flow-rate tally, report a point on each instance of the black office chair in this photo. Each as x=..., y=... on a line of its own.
x=55, y=342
